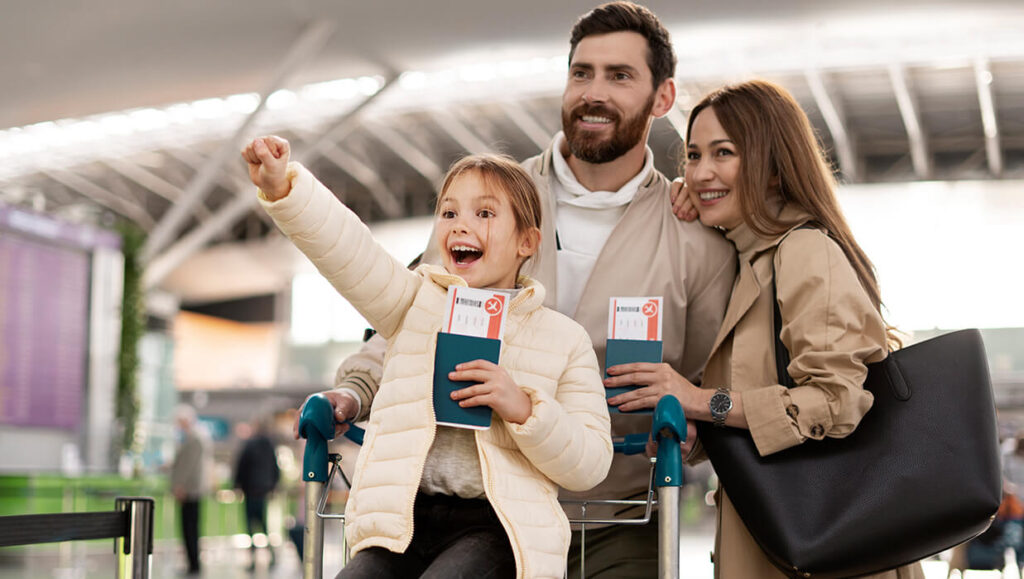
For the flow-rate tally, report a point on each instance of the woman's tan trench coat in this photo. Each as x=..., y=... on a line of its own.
x=831, y=330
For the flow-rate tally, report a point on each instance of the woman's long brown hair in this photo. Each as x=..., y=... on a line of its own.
x=780, y=153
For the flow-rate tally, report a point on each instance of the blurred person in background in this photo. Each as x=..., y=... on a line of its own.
x=190, y=475
x=1012, y=509
x=257, y=475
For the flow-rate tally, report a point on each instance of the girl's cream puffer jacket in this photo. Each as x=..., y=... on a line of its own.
x=565, y=442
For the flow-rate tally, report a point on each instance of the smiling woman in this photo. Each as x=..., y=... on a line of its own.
x=712, y=165
x=754, y=169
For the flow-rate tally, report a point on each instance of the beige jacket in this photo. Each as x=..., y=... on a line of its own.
x=649, y=253
x=831, y=330
x=565, y=442
x=191, y=469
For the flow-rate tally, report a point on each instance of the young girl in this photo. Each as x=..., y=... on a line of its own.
x=430, y=500
x=754, y=169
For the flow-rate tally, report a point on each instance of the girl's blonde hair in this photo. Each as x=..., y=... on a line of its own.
x=501, y=173
x=780, y=152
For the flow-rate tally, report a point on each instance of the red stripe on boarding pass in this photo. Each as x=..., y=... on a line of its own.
x=650, y=309
x=451, y=314
x=615, y=315
x=494, y=327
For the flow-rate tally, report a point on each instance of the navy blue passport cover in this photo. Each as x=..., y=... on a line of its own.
x=453, y=349
x=624, y=352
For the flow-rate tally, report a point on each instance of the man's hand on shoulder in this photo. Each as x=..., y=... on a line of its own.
x=682, y=203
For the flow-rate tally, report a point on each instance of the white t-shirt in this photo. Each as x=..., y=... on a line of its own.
x=583, y=221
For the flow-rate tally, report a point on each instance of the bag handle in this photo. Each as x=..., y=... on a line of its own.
x=893, y=373
x=781, y=353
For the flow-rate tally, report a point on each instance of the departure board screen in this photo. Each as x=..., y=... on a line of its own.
x=44, y=319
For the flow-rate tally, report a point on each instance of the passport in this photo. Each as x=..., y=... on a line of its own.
x=624, y=352
x=453, y=349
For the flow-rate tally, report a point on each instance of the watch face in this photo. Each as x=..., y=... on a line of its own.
x=720, y=403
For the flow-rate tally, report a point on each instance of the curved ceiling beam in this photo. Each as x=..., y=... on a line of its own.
x=983, y=79
x=311, y=41
x=920, y=156
x=835, y=118
x=103, y=197
x=154, y=184
x=408, y=152
x=229, y=214
x=525, y=122
x=460, y=133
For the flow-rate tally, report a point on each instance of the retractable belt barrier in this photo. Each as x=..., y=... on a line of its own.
x=130, y=524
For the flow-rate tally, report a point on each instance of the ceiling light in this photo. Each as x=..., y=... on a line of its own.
x=412, y=80
x=369, y=85
x=149, y=119
x=243, y=103
x=281, y=99
x=117, y=124
x=209, y=108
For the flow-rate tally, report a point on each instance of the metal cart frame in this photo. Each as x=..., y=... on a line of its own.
x=668, y=429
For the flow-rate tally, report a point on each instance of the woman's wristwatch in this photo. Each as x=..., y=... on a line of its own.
x=721, y=404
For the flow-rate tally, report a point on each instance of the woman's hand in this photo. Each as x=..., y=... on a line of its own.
x=268, y=165
x=494, y=388
x=654, y=381
x=682, y=204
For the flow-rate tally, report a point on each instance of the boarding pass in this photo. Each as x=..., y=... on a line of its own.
x=633, y=318
x=476, y=312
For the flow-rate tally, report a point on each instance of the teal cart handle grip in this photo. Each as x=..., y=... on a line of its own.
x=668, y=429
x=316, y=425
x=630, y=443
x=355, y=434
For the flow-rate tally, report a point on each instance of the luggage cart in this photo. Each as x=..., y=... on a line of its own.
x=668, y=428
x=316, y=425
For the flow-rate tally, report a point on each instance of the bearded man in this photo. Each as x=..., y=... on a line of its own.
x=608, y=231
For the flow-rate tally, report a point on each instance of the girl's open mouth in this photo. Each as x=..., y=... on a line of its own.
x=464, y=254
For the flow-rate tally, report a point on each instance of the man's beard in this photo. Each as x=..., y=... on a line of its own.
x=588, y=147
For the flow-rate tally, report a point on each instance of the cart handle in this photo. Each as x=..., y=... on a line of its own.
x=668, y=428
x=355, y=433
x=316, y=425
x=631, y=443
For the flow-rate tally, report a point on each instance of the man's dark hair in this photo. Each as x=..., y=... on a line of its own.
x=630, y=17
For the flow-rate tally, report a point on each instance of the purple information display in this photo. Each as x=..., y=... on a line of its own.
x=44, y=313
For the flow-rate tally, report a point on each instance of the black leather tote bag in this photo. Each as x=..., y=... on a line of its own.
x=919, y=474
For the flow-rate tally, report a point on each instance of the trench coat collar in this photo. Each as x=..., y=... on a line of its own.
x=748, y=286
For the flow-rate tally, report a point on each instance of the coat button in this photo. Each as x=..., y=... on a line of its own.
x=793, y=410
x=817, y=431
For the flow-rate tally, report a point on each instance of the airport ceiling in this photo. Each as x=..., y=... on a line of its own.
x=137, y=109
